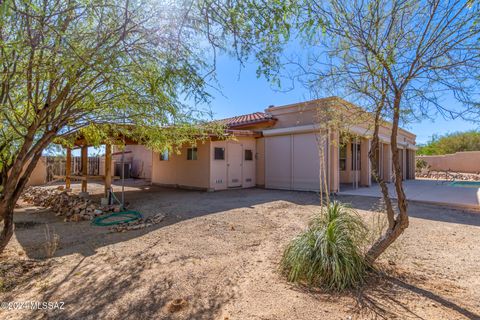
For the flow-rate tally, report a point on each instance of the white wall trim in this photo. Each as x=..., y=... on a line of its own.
x=291, y=130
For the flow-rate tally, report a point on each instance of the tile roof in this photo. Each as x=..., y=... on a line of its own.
x=246, y=119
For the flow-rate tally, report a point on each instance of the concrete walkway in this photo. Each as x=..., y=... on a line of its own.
x=429, y=191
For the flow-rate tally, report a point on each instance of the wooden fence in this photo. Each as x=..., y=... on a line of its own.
x=56, y=167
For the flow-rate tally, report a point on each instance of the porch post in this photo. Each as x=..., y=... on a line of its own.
x=334, y=161
x=411, y=164
x=414, y=163
x=365, y=167
x=68, y=169
x=84, y=156
x=380, y=160
x=108, y=168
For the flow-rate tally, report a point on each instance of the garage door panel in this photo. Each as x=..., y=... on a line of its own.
x=292, y=162
x=306, y=162
x=278, y=159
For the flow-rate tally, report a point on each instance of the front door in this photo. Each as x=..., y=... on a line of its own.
x=234, y=165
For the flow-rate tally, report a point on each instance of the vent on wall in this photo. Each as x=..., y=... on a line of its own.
x=234, y=180
x=248, y=180
x=219, y=181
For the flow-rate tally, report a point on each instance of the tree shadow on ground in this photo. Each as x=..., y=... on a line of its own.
x=180, y=205
x=417, y=210
x=383, y=298
x=131, y=288
x=177, y=205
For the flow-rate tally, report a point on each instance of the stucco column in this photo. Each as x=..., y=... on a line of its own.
x=412, y=164
x=334, y=167
x=414, y=155
x=387, y=163
x=365, y=166
x=404, y=164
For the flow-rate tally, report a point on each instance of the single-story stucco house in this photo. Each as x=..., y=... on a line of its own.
x=279, y=149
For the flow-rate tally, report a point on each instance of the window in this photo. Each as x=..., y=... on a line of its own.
x=248, y=155
x=164, y=155
x=343, y=157
x=356, y=154
x=219, y=154
x=192, y=154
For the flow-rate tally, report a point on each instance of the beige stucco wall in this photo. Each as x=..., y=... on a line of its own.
x=468, y=162
x=140, y=159
x=138, y=156
x=219, y=169
x=304, y=117
x=178, y=171
x=307, y=113
x=39, y=174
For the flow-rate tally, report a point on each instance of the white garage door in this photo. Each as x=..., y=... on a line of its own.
x=292, y=162
x=278, y=162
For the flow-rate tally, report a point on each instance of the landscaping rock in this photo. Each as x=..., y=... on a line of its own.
x=442, y=175
x=63, y=203
x=139, y=224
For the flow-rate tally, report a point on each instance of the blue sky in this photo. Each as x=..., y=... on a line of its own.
x=242, y=92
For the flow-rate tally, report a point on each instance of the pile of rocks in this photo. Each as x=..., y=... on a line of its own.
x=139, y=224
x=442, y=175
x=76, y=208
x=63, y=203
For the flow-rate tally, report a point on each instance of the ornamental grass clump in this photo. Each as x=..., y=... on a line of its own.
x=329, y=254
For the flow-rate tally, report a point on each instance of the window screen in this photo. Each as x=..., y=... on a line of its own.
x=248, y=155
x=219, y=153
x=192, y=154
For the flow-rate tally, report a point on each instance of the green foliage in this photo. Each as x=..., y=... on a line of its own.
x=451, y=143
x=255, y=28
x=329, y=253
x=421, y=164
x=105, y=70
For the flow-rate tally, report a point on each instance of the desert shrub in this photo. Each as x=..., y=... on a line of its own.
x=329, y=254
x=421, y=164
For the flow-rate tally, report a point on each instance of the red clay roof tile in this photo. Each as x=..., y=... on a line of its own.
x=245, y=119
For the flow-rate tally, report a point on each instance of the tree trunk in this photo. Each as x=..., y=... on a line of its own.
x=373, y=161
x=6, y=213
x=16, y=181
x=400, y=222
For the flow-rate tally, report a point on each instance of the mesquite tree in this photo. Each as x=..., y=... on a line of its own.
x=87, y=65
x=399, y=59
x=67, y=65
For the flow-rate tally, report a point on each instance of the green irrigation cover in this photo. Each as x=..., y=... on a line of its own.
x=117, y=218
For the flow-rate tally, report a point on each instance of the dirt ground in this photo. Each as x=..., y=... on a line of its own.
x=219, y=252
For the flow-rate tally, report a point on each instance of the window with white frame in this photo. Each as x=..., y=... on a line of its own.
x=248, y=155
x=219, y=153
